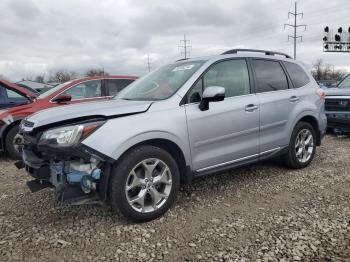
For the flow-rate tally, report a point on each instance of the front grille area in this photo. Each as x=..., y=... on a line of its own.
x=337, y=104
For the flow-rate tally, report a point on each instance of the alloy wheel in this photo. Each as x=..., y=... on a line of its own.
x=148, y=185
x=304, y=145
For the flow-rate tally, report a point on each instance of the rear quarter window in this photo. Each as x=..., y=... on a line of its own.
x=297, y=74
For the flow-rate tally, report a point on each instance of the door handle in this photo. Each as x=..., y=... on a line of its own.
x=294, y=99
x=251, y=108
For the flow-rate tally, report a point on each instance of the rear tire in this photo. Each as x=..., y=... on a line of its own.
x=144, y=183
x=302, y=146
x=10, y=143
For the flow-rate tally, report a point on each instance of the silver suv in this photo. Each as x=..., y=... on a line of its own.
x=187, y=119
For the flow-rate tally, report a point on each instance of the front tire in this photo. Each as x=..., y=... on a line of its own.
x=11, y=140
x=144, y=183
x=302, y=146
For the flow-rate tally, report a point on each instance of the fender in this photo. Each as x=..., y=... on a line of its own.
x=149, y=135
x=300, y=116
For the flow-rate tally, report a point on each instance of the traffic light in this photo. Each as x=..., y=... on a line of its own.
x=337, y=40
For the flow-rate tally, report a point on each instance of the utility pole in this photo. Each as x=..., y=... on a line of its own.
x=295, y=26
x=148, y=63
x=185, y=47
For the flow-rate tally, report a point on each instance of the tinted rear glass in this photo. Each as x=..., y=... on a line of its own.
x=296, y=74
x=269, y=76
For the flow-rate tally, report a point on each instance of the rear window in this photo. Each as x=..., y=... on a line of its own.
x=297, y=74
x=269, y=76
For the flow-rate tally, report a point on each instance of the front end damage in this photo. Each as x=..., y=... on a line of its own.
x=78, y=174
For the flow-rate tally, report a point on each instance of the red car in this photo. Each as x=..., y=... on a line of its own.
x=76, y=91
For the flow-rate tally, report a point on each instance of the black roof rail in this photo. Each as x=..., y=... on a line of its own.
x=182, y=59
x=235, y=51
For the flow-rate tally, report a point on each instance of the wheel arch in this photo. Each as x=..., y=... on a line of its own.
x=167, y=145
x=6, y=130
x=173, y=149
x=312, y=120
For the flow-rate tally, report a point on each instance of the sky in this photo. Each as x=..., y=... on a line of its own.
x=42, y=36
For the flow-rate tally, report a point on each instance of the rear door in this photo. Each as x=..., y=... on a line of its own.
x=277, y=100
x=114, y=86
x=228, y=132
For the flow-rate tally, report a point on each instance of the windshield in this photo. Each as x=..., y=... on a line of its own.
x=345, y=83
x=162, y=83
x=53, y=90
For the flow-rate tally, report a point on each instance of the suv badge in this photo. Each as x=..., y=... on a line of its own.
x=343, y=103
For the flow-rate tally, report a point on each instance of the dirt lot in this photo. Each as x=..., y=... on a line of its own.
x=263, y=212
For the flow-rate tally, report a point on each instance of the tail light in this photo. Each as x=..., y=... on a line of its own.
x=321, y=93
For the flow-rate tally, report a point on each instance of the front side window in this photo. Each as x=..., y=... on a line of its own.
x=114, y=86
x=162, y=83
x=296, y=74
x=269, y=76
x=345, y=83
x=231, y=74
x=84, y=90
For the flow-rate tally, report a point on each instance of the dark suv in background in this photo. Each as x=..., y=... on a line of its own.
x=338, y=106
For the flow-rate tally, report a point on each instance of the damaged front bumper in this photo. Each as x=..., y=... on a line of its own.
x=77, y=175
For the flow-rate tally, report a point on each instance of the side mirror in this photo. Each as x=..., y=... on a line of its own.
x=211, y=94
x=62, y=98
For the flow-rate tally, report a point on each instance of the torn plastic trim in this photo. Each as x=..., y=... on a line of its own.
x=69, y=176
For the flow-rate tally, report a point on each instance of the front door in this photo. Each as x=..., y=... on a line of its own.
x=229, y=131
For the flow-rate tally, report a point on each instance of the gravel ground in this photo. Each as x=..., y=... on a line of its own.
x=265, y=212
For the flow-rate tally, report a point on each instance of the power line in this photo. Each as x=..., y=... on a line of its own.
x=149, y=63
x=185, y=47
x=295, y=26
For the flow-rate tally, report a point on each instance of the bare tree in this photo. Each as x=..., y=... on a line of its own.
x=317, y=69
x=96, y=72
x=40, y=78
x=321, y=71
x=62, y=76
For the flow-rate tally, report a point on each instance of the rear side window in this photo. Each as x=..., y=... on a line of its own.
x=296, y=74
x=269, y=76
x=114, y=86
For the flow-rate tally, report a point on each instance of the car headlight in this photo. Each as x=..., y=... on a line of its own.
x=68, y=136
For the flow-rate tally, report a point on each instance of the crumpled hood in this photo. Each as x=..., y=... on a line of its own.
x=109, y=108
x=337, y=92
